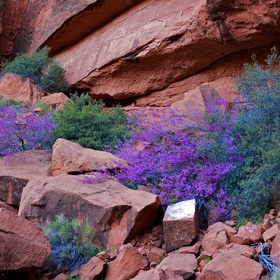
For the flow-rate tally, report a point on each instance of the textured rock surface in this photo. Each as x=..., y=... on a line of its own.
x=72, y=158
x=23, y=246
x=20, y=89
x=148, y=52
x=217, y=237
x=2, y=8
x=17, y=170
x=229, y=265
x=180, y=224
x=71, y=21
x=11, y=14
x=115, y=212
x=127, y=264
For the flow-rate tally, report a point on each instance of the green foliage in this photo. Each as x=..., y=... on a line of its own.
x=207, y=260
x=86, y=122
x=39, y=67
x=9, y=102
x=256, y=179
x=71, y=243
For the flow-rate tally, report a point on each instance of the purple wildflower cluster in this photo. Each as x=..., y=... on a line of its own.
x=179, y=165
x=22, y=129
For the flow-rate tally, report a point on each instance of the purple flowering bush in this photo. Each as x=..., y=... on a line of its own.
x=22, y=129
x=177, y=165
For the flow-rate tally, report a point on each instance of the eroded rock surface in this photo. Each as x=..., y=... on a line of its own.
x=23, y=246
x=11, y=14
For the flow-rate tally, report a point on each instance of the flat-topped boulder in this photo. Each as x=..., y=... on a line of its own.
x=116, y=213
x=71, y=158
x=180, y=224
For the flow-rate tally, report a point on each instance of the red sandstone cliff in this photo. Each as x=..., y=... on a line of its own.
x=144, y=51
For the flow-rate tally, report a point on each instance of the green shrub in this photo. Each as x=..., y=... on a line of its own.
x=71, y=244
x=40, y=68
x=85, y=121
x=255, y=180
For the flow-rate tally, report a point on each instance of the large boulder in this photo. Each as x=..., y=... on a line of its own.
x=180, y=224
x=229, y=265
x=116, y=213
x=16, y=170
x=71, y=158
x=23, y=246
x=93, y=269
x=17, y=88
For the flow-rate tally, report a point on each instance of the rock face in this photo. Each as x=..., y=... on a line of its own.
x=11, y=14
x=180, y=224
x=150, y=52
x=115, y=212
x=20, y=89
x=23, y=246
x=71, y=158
x=81, y=17
x=17, y=170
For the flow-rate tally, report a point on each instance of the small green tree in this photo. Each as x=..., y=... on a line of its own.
x=255, y=181
x=86, y=122
x=39, y=67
